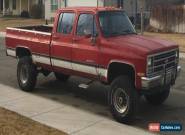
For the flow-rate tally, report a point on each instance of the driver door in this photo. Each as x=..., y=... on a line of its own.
x=85, y=52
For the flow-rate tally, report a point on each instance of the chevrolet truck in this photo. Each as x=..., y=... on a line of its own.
x=100, y=44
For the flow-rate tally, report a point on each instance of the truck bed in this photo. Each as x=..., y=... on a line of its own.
x=36, y=38
x=39, y=28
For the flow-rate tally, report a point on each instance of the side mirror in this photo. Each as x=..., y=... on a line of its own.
x=93, y=38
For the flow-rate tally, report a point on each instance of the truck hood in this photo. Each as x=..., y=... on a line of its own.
x=142, y=44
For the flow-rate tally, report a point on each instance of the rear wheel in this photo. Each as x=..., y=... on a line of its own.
x=159, y=97
x=61, y=77
x=123, y=99
x=26, y=74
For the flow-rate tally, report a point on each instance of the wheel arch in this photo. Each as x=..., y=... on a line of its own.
x=22, y=51
x=117, y=68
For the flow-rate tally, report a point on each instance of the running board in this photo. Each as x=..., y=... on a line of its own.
x=85, y=86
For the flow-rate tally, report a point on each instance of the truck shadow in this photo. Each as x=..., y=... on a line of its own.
x=94, y=100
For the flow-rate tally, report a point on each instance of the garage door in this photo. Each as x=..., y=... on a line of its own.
x=73, y=3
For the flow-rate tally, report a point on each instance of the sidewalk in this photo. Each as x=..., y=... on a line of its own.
x=61, y=116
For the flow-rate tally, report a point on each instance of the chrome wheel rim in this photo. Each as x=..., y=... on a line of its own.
x=24, y=74
x=121, y=100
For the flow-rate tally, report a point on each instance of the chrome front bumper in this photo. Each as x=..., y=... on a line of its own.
x=148, y=83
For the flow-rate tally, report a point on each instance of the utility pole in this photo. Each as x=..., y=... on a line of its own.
x=136, y=8
x=4, y=7
x=142, y=20
x=142, y=17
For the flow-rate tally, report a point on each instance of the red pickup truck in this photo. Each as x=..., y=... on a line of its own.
x=99, y=44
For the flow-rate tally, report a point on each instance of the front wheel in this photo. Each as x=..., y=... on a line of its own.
x=159, y=97
x=123, y=99
x=26, y=74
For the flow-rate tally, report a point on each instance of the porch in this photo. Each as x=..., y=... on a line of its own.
x=15, y=7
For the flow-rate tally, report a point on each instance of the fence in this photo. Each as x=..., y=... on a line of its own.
x=168, y=18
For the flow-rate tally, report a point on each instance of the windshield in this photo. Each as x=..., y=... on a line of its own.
x=115, y=23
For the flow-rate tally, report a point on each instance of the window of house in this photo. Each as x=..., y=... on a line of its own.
x=54, y=5
x=14, y=4
x=86, y=25
x=65, y=24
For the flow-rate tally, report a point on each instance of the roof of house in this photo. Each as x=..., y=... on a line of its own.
x=93, y=9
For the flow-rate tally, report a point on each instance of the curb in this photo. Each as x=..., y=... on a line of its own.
x=2, y=34
x=182, y=55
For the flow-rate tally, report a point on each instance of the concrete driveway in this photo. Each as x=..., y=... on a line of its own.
x=82, y=112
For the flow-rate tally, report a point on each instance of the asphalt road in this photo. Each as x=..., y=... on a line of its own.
x=173, y=110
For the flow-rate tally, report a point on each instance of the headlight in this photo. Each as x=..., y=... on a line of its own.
x=149, y=62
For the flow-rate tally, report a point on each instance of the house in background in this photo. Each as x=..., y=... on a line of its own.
x=52, y=5
x=132, y=7
x=15, y=7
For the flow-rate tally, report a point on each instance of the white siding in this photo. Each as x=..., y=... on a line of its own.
x=73, y=3
x=48, y=13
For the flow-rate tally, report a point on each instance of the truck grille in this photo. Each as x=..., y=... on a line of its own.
x=162, y=62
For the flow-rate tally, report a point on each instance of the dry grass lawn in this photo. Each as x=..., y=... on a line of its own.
x=177, y=38
x=14, y=124
x=16, y=22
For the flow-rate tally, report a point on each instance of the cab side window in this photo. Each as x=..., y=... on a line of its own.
x=65, y=24
x=86, y=25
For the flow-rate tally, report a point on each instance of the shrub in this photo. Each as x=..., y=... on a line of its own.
x=25, y=14
x=36, y=11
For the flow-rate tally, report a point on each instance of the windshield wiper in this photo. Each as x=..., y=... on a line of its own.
x=120, y=33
